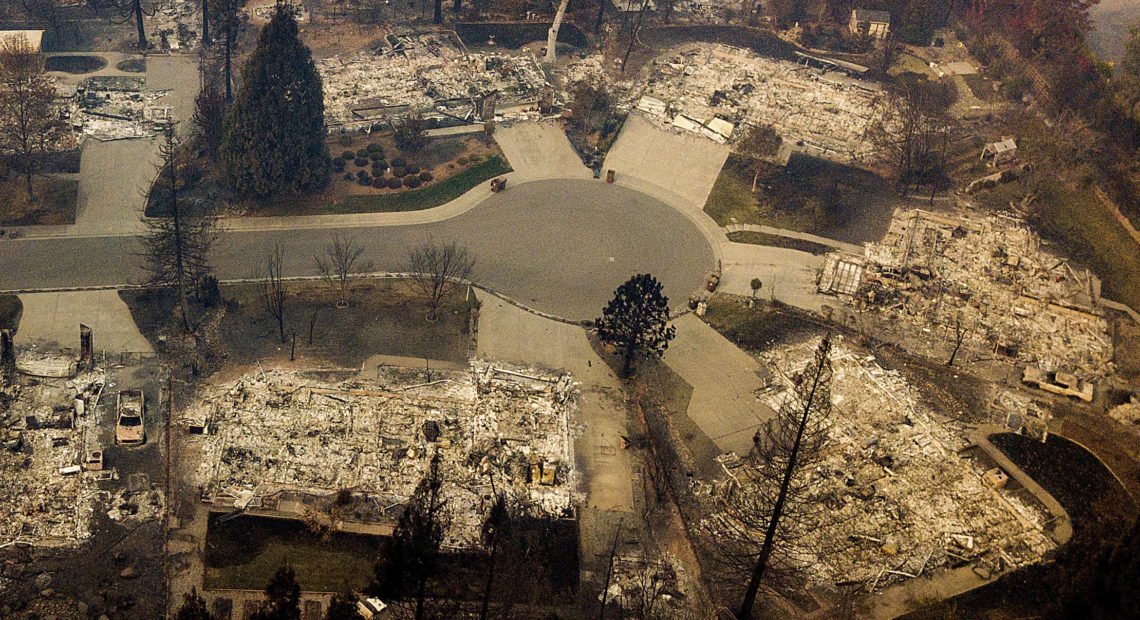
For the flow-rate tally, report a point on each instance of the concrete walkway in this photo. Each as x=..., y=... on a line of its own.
x=52, y=320
x=788, y=276
x=724, y=380
x=681, y=162
x=540, y=150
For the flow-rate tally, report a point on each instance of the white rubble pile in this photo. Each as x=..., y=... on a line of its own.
x=992, y=278
x=900, y=498
x=46, y=498
x=107, y=110
x=280, y=431
x=420, y=73
x=827, y=112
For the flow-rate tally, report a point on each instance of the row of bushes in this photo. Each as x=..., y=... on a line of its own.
x=378, y=181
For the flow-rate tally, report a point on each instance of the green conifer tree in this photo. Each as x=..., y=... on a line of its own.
x=275, y=130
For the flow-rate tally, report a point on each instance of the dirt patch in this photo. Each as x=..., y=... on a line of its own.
x=54, y=201
x=945, y=390
x=75, y=64
x=132, y=65
x=384, y=317
x=757, y=328
x=1126, y=347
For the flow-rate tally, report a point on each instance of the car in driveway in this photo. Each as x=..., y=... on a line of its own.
x=130, y=429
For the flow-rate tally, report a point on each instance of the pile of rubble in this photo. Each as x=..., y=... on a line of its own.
x=824, y=113
x=900, y=498
x=423, y=73
x=371, y=443
x=986, y=282
x=48, y=428
x=114, y=108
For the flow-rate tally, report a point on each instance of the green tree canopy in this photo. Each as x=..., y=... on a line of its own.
x=274, y=133
x=636, y=320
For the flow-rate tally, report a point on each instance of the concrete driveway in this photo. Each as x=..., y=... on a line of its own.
x=52, y=320
x=724, y=379
x=681, y=162
x=540, y=150
x=558, y=246
x=787, y=275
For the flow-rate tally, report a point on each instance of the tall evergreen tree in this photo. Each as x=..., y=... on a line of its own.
x=636, y=320
x=274, y=138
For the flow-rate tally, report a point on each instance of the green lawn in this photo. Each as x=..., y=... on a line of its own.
x=244, y=553
x=434, y=195
x=758, y=238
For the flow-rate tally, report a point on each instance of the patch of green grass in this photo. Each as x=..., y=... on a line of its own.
x=732, y=201
x=245, y=553
x=10, y=311
x=1077, y=221
x=776, y=241
x=434, y=195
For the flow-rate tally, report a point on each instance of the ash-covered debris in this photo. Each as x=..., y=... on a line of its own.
x=353, y=452
x=423, y=73
x=47, y=486
x=986, y=283
x=900, y=495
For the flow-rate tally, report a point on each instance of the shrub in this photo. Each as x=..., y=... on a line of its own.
x=399, y=172
x=345, y=140
x=366, y=181
x=425, y=176
x=394, y=183
x=462, y=161
x=412, y=182
x=360, y=174
x=374, y=156
x=361, y=162
x=362, y=153
x=376, y=148
x=399, y=162
x=378, y=182
x=348, y=176
x=348, y=155
x=474, y=158
x=338, y=162
x=413, y=169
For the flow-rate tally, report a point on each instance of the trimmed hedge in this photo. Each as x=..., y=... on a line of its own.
x=411, y=182
x=394, y=183
x=399, y=172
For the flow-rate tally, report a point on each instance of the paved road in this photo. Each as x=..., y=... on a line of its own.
x=558, y=246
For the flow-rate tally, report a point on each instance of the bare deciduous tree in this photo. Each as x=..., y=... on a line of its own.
x=341, y=265
x=26, y=96
x=758, y=144
x=274, y=288
x=960, y=331
x=437, y=270
x=176, y=244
